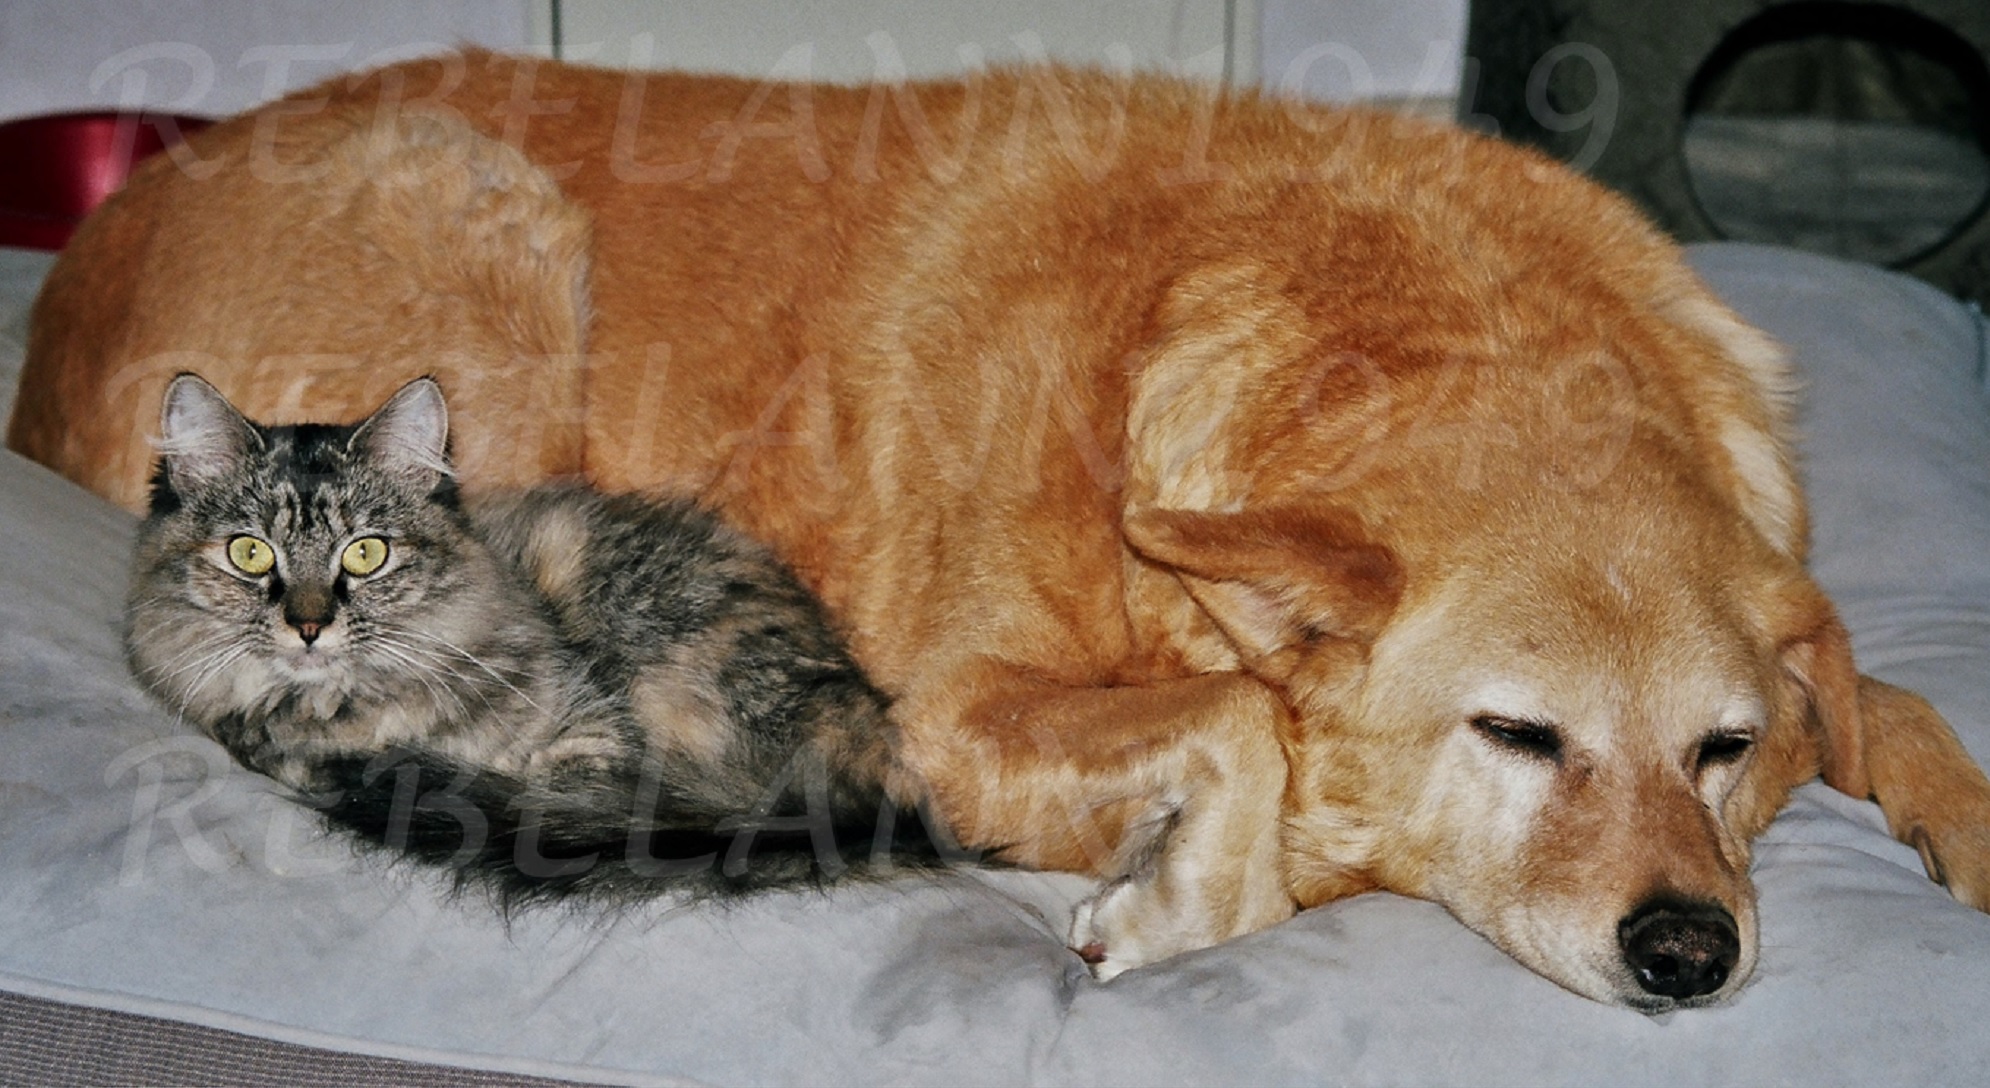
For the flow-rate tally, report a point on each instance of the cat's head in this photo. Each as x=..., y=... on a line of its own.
x=300, y=566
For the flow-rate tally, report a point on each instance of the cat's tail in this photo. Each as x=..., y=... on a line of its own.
x=620, y=837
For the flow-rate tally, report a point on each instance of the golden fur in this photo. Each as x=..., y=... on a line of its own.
x=1207, y=478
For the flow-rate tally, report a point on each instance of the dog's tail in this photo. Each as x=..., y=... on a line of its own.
x=620, y=837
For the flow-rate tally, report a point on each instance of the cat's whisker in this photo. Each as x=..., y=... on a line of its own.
x=216, y=665
x=192, y=657
x=430, y=662
x=422, y=670
x=442, y=696
x=472, y=659
x=207, y=663
x=202, y=661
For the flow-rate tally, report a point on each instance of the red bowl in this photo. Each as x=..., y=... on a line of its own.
x=56, y=169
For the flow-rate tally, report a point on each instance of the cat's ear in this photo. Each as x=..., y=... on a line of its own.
x=202, y=437
x=409, y=435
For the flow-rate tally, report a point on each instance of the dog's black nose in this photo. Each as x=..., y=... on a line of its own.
x=1679, y=948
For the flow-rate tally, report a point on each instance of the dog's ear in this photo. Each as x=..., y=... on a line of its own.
x=1820, y=662
x=1275, y=579
x=1817, y=725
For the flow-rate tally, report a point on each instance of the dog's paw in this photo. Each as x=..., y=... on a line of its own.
x=1129, y=924
x=1135, y=921
x=1094, y=937
x=1959, y=860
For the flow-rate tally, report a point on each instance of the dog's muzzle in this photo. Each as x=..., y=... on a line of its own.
x=1679, y=948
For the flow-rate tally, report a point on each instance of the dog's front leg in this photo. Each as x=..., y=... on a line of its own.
x=1171, y=791
x=1935, y=797
x=1886, y=744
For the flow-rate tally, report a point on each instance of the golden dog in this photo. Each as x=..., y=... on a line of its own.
x=1249, y=503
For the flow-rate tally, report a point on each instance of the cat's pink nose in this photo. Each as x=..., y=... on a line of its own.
x=308, y=631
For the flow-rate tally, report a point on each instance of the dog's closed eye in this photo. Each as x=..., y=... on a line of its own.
x=1536, y=740
x=1721, y=749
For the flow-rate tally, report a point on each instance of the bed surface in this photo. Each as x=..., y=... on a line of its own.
x=140, y=872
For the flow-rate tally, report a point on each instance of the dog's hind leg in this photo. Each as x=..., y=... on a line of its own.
x=1171, y=791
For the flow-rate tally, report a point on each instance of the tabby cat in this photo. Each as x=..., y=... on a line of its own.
x=554, y=694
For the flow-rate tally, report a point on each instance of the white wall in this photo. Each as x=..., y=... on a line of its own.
x=220, y=56
x=1332, y=49
x=1343, y=50
x=861, y=40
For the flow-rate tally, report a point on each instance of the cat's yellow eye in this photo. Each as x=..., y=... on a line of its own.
x=364, y=556
x=251, y=556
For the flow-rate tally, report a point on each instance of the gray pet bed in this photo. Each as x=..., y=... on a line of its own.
x=141, y=875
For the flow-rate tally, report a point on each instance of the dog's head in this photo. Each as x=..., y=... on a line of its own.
x=1558, y=697
x=1569, y=746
